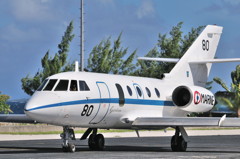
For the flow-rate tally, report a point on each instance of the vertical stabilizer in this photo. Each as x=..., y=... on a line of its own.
x=203, y=48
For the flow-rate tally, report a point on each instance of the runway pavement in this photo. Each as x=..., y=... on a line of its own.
x=224, y=146
x=191, y=132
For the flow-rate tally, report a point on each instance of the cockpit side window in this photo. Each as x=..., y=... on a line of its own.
x=73, y=86
x=83, y=86
x=42, y=85
x=62, y=85
x=50, y=85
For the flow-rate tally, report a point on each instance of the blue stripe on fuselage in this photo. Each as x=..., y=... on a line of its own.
x=107, y=100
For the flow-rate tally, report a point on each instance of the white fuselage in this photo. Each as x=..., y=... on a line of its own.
x=103, y=105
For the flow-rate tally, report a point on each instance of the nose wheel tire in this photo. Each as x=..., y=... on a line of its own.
x=96, y=142
x=69, y=148
x=68, y=133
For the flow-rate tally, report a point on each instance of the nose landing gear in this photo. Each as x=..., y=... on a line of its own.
x=67, y=134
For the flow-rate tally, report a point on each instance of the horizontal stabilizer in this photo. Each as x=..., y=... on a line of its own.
x=214, y=61
x=173, y=60
x=155, y=123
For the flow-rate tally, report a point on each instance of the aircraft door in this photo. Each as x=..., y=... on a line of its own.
x=139, y=91
x=104, y=103
x=121, y=94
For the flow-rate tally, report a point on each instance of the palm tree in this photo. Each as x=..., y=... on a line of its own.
x=231, y=96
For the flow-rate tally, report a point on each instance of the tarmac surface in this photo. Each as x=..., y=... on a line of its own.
x=209, y=147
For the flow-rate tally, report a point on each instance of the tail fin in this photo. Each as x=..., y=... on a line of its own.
x=203, y=48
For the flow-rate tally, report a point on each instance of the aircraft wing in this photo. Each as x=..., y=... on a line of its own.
x=16, y=118
x=155, y=123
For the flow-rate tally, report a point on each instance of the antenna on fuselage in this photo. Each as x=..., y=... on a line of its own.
x=82, y=36
x=76, y=66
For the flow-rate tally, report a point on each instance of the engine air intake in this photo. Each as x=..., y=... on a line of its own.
x=181, y=96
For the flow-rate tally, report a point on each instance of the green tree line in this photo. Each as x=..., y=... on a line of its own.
x=51, y=65
x=4, y=107
x=109, y=56
x=231, y=96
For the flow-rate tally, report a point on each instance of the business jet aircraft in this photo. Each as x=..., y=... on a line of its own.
x=103, y=101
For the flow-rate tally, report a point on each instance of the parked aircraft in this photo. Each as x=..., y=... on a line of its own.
x=105, y=101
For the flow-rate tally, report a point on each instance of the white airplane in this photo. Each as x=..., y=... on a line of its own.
x=104, y=101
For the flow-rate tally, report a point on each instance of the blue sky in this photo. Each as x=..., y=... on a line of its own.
x=28, y=28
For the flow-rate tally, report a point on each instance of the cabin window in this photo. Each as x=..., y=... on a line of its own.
x=62, y=85
x=157, y=92
x=73, y=86
x=129, y=90
x=50, y=85
x=83, y=86
x=121, y=94
x=139, y=91
x=42, y=85
x=148, y=92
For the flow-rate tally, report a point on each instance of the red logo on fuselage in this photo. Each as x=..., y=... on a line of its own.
x=197, y=97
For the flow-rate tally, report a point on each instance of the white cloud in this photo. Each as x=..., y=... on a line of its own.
x=146, y=9
x=15, y=34
x=31, y=10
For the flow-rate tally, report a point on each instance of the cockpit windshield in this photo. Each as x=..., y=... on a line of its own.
x=62, y=85
x=42, y=85
x=50, y=85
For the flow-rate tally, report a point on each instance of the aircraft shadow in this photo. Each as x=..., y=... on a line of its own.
x=20, y=150
x=113, y=148
x=117, y=145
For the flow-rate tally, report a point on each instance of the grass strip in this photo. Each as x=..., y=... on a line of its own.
x=111, y=131
x=59, y=132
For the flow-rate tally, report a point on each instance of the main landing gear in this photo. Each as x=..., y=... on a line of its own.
x=67, y=134
x=96, y=141
x=179, y=142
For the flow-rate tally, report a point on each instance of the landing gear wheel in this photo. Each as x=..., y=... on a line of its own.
x=100, y=142
x=68, y=133
x=91, y=142
x=69, y=148
x=182, y=144
x=174, y=145
x=96, y=142
x=179, y=144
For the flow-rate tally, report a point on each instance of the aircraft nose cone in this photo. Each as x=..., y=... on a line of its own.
x=42, y=107
x=30, y=107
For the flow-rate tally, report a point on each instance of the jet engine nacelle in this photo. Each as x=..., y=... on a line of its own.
x=193, y=98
